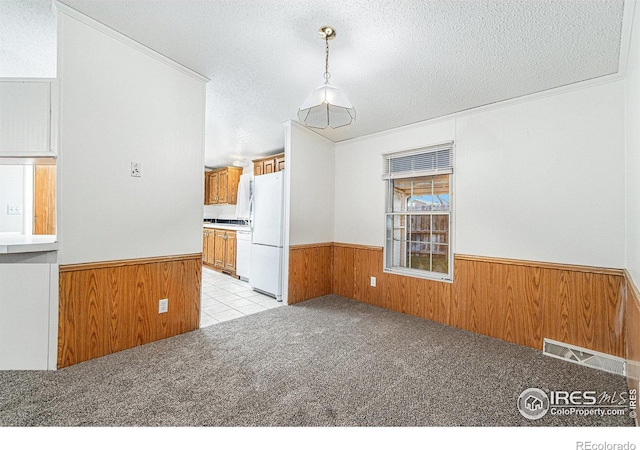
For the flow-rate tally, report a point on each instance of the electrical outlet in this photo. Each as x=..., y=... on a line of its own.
x=14, y=210
x=136, y=169
x=373, y=281
x=163, y=305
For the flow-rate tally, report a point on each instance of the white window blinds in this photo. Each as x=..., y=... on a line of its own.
x=436, y=159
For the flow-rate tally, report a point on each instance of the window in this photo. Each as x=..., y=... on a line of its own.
x=29, y=193
x=418, y=213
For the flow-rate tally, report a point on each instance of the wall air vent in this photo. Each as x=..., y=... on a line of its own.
x=584, y=357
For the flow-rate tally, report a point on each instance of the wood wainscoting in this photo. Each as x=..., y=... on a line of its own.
x=310, y=273
x=632, y=319
x=110, y=306
x=513, y=300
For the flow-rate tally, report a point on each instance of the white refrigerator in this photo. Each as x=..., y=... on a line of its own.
x=267, y=206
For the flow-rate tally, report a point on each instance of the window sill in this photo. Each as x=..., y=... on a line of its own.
x=419, y=274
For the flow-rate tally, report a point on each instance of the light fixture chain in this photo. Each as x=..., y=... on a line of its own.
x=327, y=75
x=327, y=106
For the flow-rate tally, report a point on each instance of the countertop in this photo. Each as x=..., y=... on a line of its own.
x=225, y=226
x=20, y=243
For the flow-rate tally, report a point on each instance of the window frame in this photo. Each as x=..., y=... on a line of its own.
x=387, y=253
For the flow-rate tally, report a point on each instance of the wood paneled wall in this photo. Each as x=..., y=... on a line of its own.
x=309, y=271
x=632, y=319
x=513, y=300
x=111, y=306
x=44, y=199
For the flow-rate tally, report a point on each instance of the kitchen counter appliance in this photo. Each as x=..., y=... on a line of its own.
x=267, y=206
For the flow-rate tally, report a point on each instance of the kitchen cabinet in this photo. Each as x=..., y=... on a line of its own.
x=221, y=186
x=25, y=118
x=205, y=236
x=219, y=250
x=208, y=246
x=268, y=164
x=230, y=252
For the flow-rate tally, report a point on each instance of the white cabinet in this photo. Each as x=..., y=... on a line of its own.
x=28, y=322
x=25, y=118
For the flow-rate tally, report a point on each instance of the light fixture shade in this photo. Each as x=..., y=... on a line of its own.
x=327, y=106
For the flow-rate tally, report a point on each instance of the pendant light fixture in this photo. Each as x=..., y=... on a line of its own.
x=327, y=106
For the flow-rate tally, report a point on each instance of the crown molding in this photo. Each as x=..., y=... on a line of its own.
x=625, y=37
x=99, y=26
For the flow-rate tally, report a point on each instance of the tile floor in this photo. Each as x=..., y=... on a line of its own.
x=225, y=298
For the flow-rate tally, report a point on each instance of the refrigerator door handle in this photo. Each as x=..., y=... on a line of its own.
x=251, y=212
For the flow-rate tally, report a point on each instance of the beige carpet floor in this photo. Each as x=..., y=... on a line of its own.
x=325, y=362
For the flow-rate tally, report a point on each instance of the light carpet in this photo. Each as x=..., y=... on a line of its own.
x=325, y=362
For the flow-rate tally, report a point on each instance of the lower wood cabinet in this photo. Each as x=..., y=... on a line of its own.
x=219, y=237
x=230, y=251
x=219, y=250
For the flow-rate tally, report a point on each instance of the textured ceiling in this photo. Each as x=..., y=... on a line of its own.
x=400, y=61
x=27, y=39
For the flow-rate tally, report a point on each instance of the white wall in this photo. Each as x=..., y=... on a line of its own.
x=121, y=104
x=632, y=129
x=310, y=163
x=537, y=179
x=12, y=193
x=542, y=180
x=359, y=189
x=220, y=211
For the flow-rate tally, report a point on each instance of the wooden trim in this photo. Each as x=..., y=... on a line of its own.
x=493, y=260
x=541, y=265
x=357, y=246
x=303, y=246
x=44, y=199
x=632, y=289
x=127, y=262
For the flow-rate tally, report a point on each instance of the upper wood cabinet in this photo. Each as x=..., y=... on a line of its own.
x=25, y=118
x=268, y=164
x=221, y=186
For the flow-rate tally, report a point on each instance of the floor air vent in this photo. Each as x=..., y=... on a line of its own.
x=584, y=357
